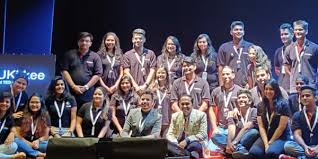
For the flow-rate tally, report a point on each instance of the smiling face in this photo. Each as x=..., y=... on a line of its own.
x=300, y=32
x=98, y=97
x=286, y=36
x=171, y=46
x=237, y=32
x=261, y=77
x=35, y=104
x=125, y=85
x=202, y=44
x=269, y=92
x=59, y=87
x=185, y=104
x=227, y=75
x=252, y=54
x=161, y=74
x=138, y=40
x=5, y=104
x=243, y=100
x=19, y=85
x=110, y=42
x=146, y=102
x=307, y=98
x=188, y=68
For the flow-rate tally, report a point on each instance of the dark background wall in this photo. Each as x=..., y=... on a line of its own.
x=185, y=19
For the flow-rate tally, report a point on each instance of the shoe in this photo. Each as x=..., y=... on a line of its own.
x=241, y=154
x=283, y=156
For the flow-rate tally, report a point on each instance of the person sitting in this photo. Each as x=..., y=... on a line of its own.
x=7, y=146
x=188, y=128
x=33, y=133
x=144, y=121
x=304, y=127
x=94, y=117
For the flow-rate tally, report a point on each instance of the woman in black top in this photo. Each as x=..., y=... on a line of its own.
x=7, y=147
x=62, y=108
x=272, y=117
x=94, y=117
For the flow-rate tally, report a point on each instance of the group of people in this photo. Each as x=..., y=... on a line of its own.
x=228, y=96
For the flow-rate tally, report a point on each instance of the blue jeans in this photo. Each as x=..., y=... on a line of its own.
x=7, y=151
x=274, y=150
x=294, y=149
x=247, y=140
x=26, y=148
x=195, y=146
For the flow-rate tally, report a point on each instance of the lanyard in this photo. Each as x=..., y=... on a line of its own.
x=227, y=98
x=16, y=104
x=205, y=62
x=238, y=53
x=33, y=127
x=244, y=119
x=141, y=61
x=269, y=119
x=299, y=57
x=299, y=103
x=2, y=126
x=94, y=120
x=126, y=107
x=59, y=113
x=189, y=88
x=112, y=62
x=283, y=68
x=161, y=98
x=308, y=122
x=170, y=64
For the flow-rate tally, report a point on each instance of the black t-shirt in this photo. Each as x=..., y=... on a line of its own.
x=87, y=125
x=281, y=109
x=5, y=129
x=66, y=115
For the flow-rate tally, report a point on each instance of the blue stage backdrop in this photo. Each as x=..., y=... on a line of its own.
x=29, y=26
x=38, y=69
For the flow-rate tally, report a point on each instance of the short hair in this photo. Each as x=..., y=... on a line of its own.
x=303, y=23
x=139, y=31
x=147, y=92
x=247, y=92
x=186, y=95
x=286, y=26
x=262, y=67
x=235, y=23
x=82, y=35
x=311, y=87
x=4, y=94
x=303, y=78
x=229, y=67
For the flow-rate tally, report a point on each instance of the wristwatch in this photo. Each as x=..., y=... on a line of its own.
x=86, y=87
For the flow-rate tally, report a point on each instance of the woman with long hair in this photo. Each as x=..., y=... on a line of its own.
x=62, y=108
x=111, y=56
x=272, y=118
x=205, y=57
x=171, y=58
x=161, y=91
x=94, y=117
x=33, y=133
x=122, y=101
x=7, y=146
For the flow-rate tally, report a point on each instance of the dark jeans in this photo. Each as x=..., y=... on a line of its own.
x=274, y=150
